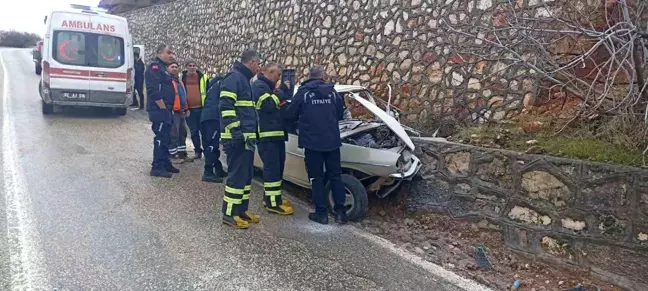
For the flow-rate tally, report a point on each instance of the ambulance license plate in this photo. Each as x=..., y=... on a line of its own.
x=74, y=96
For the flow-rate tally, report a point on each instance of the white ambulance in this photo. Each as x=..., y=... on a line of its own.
x=87, y=60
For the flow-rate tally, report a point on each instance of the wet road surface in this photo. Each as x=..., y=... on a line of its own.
x=78, y=211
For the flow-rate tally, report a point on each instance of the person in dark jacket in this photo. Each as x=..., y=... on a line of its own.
x=161, y=96
x=210, y=129
x=139, y=83
x=239, y=137
x=196, y=84
x=319, y=108
x=272, y=137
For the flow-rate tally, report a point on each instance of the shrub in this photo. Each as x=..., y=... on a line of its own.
x=17, y=39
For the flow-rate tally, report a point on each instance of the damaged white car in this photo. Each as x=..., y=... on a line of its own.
x=377, y=154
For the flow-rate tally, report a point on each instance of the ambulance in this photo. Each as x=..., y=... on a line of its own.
x=87, y=60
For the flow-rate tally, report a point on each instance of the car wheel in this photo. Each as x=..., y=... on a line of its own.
x=47, y=108
x=121, y=111
x=39, y=69
x=356, y=202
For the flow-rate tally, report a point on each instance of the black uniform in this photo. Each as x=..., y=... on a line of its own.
x=139, y=84
x=319, y=108
x=210, y=128
x=159, y=87
x=238, y=136
x=272, y=138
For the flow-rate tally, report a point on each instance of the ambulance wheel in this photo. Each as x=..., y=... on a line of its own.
x=121, y=111
x=47, y=108
x=356, y=202
x=39, y=69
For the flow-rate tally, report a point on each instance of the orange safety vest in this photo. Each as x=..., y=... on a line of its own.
x=176, y=102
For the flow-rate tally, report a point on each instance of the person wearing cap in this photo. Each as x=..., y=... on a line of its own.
x=178, y=145
x=196, y=84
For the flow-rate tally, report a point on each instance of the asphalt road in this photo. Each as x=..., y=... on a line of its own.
x=78, y=211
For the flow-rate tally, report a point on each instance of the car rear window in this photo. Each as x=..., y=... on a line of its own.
x=88, y=49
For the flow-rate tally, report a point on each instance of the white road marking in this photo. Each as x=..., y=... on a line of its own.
x=27, y=272
x=434, y=269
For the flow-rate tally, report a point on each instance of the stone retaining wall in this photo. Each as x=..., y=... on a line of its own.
x=373, y=43
x=567, y=211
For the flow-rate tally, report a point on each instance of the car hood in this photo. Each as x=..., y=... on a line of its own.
x=390, y=121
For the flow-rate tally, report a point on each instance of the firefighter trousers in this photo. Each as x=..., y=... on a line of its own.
x=240, y=167
x=273, y=155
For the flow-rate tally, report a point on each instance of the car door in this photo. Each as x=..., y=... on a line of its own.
x=295, y=167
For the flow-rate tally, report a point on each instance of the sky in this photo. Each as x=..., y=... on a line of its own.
x=28, y=15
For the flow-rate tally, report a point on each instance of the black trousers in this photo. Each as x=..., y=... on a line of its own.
x=139, y=90
x=211, y=143
x=273, y=155
x=316, y=163
x=193, y=122
x=162, y=131
x=240, y=167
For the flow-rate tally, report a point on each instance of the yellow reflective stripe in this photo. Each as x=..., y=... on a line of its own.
x=266, y=96
x=232, y=125
x=246, y=196
x=273, y=193
x=244, y=103
x=251, y=135
x=271, y=134
x=232, y=200
x=228, y=94
x=230, y=206
x=272, y=184
x=228, y=113
x=248, y=188
x=203, y=89
x=226, y=135
x=229, y=189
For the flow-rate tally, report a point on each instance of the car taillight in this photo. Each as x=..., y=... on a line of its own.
x=46, y=75
x=129, y=82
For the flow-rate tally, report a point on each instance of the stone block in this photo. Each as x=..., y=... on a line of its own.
x=621, y=266
x=558, y=247
x=611, y=227
x=521, y=239
x=485, y=203
x=526, y=215
x=495, y=170
x=640, y=235
x=457, y=163
x=606, y=194
x=545, y=187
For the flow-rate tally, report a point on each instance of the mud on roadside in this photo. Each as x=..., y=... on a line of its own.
x=451, y=243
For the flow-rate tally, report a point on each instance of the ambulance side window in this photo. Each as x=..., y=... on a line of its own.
x=69, y=48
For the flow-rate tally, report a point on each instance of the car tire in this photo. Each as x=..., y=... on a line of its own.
x=353, y=187
x=39, y=69
x=121, y=111
x=47, y=108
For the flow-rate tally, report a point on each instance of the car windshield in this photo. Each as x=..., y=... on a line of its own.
x=88, y=49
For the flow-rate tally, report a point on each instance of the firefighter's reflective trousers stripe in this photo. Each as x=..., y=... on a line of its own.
x=239, y=179
x=273, y=155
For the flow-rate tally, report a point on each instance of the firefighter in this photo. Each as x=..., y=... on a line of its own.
x=239, y=138
x=272, y=137
x=159, y=106
x=318, y=107
x=210, y=130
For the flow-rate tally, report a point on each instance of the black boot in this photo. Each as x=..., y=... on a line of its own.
x=218, y=170
x=340, y=218
x=198, y=155
x=319, y=218
x=172, y=169
x=160, y=173
x=210, y=177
